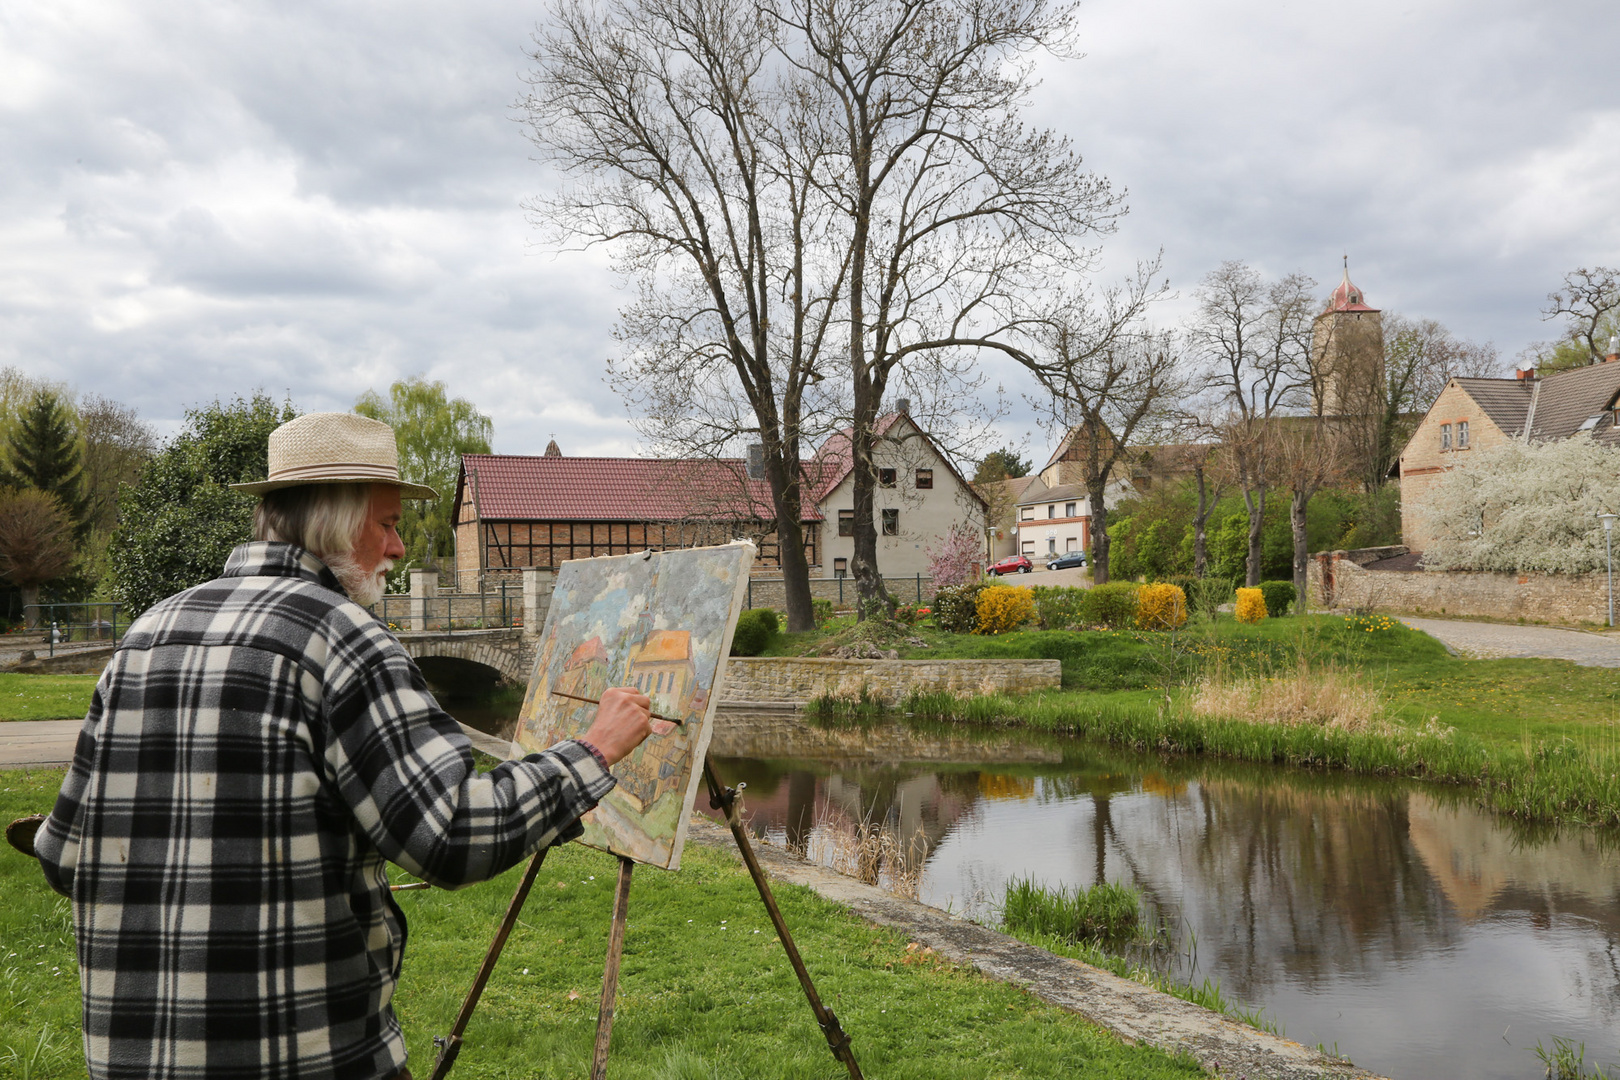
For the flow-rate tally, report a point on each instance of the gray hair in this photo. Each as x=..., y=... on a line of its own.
x=324, y=519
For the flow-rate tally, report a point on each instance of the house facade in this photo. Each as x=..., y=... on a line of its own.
x=919, y=497
x=1473, y=415
x=514, y=511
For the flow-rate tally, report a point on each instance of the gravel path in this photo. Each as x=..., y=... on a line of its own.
x=1492, y=640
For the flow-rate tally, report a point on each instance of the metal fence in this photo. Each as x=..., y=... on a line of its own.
x=65, y=623
x=449, y=612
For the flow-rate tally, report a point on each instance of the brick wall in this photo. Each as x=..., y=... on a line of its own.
x=800, y=679
x=1545, y=598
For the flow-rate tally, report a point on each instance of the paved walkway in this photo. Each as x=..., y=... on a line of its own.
x=37, y=742
x=1492, y=640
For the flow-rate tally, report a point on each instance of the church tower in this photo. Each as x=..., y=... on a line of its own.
x=1347, y=353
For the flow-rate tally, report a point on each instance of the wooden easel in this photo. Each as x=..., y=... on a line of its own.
x=720, y=798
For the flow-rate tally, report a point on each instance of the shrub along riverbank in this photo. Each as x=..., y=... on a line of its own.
x=705, y=990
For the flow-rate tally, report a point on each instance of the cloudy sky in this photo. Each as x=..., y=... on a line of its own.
x=198, y=199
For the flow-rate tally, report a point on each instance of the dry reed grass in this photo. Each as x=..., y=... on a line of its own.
x=870, y=851
x=1305, y=697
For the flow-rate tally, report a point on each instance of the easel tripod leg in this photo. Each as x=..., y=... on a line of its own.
x=837, y=1040
x=450, y=1045
x=610, y=974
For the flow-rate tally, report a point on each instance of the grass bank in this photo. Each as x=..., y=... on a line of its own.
x=705, y=990
x=45, y=697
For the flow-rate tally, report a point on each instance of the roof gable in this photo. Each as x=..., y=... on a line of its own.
x=833, y=462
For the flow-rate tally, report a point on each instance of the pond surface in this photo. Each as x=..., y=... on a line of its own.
x=1418, y=934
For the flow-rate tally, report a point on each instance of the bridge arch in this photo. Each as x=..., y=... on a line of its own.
x=506, y=652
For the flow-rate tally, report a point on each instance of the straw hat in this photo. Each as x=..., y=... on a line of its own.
x=334, y=448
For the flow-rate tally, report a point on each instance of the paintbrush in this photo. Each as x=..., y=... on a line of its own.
x=593, y=701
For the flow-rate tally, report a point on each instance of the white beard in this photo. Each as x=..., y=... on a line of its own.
x=364, y=587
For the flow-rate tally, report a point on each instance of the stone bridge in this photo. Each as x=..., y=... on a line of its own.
x=509, y=653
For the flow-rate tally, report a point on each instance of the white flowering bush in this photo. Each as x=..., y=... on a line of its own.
x=1524, y=506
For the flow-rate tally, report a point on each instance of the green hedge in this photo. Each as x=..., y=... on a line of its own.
x=756, y=627
x=1112, y=605
x=956, y=607
x=1060, y=607
x=1279, y=596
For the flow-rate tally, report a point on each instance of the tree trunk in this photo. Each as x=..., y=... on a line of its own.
x=1296, y=518
x=1099, y=533
x=871, y=597
x=30, y=595
x=787, y=493
x=1255, y=499
x=1201, y=526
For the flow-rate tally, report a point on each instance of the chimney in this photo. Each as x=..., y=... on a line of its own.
x=1526, y=374
x=756, y=461
x=1614, y=349
x=903, y=406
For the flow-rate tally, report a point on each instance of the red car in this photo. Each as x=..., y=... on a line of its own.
x=1012, y=564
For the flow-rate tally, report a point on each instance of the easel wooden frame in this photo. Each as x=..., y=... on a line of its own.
x=720, y=798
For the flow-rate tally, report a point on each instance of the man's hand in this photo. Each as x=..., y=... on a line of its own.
x=622, y=720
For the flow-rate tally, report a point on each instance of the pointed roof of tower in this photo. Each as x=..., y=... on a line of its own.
x=552, y=449
x=1347, y=297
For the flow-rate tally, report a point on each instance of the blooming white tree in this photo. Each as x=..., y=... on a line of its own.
x=1526, y=507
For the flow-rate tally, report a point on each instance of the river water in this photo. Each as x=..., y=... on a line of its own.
x=1420, y=935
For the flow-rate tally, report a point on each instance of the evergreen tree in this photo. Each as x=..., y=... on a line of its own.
x=180, y=520
x=43, y=452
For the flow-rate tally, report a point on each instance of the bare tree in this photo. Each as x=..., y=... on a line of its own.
x=36, y=542
x=1111, y=379
x=1256, y=342
x=956, y=212
x=116, y=444
x=691, y=150
x=1590, y=301
x=1420, y=357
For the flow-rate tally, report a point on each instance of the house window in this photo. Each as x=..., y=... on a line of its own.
x=1051, y=510
x=1072, y=543
x=1462, y=434
x=1026, y=513
x=846, y=523
x=1029, y=547
x=840, y=568
x=891, y=523
x=1051, y=545
x=1445, y=436
x=925, y=479
x=885, y=478
x=1068, y=509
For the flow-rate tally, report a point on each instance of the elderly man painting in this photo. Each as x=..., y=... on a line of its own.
x=255, y=752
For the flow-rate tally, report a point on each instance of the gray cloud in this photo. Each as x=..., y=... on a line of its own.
x=200, y=199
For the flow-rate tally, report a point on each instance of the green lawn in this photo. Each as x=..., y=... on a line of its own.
x=705, y=990
x=45, y=697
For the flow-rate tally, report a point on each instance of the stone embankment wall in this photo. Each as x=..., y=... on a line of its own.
x=801, y=679
x=741, y=733
x=1341, y=579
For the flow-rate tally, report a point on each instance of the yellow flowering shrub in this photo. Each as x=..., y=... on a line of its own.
x=1251, y=605
x=1003, y=608
x=1161, y=606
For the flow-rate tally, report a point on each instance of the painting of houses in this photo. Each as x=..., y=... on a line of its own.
x=661, y=622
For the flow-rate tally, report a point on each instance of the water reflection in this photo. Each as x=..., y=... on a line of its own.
x=1423, y=936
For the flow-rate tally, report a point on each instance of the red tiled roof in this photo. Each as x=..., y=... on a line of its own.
x=512, y=487
x=1347, y=297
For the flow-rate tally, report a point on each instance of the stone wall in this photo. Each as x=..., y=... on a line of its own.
x=801, y=679
x=1544, y=598
x=771, y=592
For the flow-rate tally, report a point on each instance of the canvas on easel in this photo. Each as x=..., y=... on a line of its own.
x=660, y=621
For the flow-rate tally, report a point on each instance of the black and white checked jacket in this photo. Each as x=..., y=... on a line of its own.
x=258, y=748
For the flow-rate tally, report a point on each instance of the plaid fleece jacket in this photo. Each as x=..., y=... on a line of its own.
x=255, y=752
